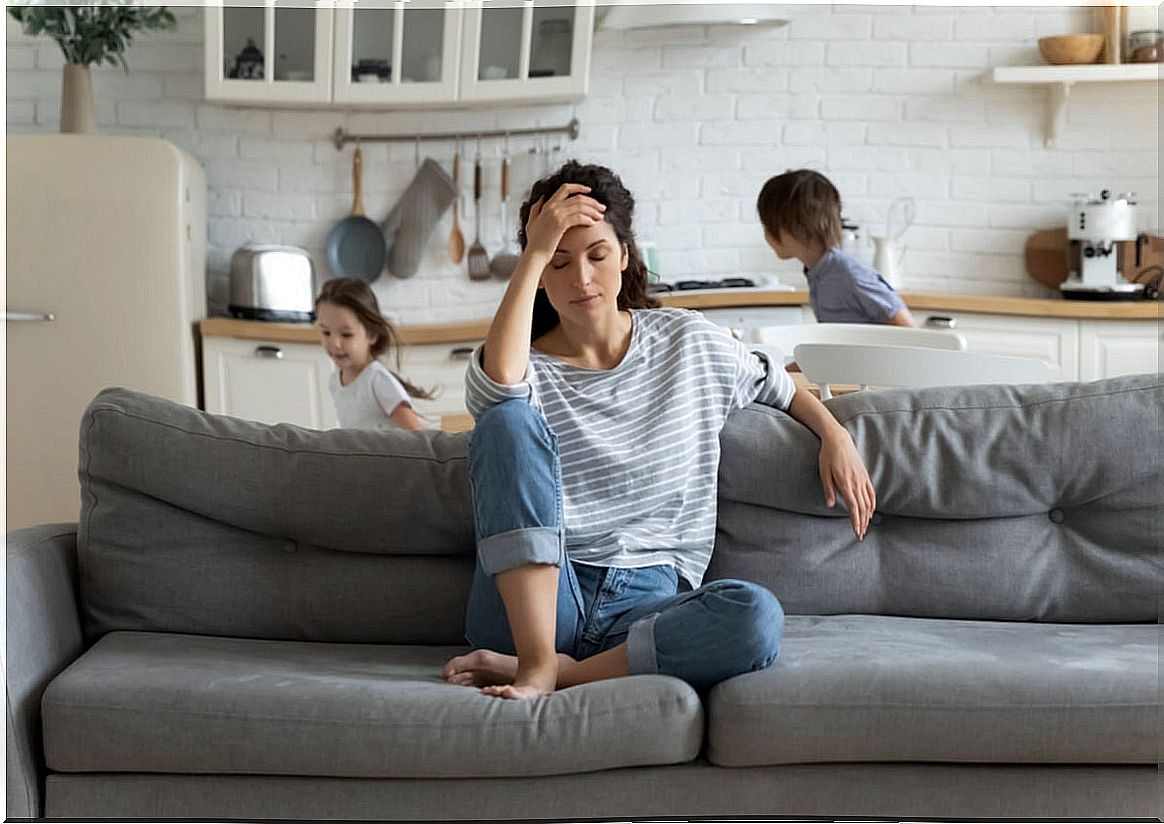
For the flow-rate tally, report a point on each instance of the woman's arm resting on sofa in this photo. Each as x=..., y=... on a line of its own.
x=841, y=468
x=43, y=637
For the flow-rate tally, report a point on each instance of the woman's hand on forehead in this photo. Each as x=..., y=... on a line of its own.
x=565, y=209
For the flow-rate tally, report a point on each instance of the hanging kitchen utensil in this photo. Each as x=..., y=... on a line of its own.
x=414, y=217
x=355, y=245
x=505, y=261
x=478, y=256
x=456, y=238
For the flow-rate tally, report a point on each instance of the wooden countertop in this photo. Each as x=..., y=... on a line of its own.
x=1030, y=307
x=476, y=330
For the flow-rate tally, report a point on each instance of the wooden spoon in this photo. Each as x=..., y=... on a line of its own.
x=456, y=239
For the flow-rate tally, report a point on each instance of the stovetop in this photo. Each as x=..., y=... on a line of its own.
x=690, y=285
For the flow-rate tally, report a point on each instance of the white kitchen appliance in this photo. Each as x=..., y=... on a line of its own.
x=1095, y=225
x=106, y=248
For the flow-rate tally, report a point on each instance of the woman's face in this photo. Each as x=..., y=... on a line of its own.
x=585, y=274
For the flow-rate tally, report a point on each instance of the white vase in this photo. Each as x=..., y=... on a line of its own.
x=77, y=113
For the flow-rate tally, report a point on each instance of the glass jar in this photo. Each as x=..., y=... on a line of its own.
x=1145, y=46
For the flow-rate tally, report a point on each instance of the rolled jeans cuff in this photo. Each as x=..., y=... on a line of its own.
x=518, y=547
x=640, y=647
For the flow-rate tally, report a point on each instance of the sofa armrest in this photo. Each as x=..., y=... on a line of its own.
x=43, y=637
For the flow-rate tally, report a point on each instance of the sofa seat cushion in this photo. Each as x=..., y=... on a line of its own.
x=156, y=702
x=880, y=688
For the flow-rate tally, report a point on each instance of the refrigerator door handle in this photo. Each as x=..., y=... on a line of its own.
x=42, y=316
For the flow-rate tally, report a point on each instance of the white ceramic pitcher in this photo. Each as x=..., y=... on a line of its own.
x=889, y=259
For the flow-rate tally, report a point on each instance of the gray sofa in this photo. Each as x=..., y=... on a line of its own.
x=249, y=622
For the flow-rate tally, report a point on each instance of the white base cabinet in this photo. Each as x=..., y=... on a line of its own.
x=274, y=382
x=1053, y=341
x=268, y=381
x=1110, y=348
x=1079, y=350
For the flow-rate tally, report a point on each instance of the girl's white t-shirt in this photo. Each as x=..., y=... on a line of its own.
x=369, y=401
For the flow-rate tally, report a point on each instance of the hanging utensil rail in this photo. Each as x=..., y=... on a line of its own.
x=341, y=137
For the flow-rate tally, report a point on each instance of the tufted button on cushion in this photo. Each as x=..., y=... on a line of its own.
x=1056, y=516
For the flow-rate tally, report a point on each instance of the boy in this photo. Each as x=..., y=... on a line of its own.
x=801, y=213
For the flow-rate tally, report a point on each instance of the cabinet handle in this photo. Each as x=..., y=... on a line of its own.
x=940, y=322
x=461, y=353
x=269, y=352
x=44, y=316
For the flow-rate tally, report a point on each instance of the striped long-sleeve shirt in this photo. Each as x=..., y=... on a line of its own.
x=639, y=443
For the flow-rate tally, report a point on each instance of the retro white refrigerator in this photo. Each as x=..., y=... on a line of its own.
x=105, y=254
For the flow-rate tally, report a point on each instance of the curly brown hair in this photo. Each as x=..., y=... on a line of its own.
x=357, y=296
x=607, y=188
x=803, y=203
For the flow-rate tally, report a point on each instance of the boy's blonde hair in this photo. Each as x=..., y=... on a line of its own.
x=803, y=203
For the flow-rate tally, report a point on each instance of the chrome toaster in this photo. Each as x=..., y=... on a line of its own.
x=272, y=283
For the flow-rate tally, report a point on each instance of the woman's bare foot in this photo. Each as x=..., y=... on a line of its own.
x=480, y=668
x=531, y=682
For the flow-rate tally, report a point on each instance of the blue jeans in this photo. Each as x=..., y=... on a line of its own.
x=703, y=636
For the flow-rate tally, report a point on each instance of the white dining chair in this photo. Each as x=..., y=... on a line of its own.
x=780, y=341
x=878, y=365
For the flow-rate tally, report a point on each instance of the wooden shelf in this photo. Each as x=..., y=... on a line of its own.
x=1092, y=73
x=1060, y=79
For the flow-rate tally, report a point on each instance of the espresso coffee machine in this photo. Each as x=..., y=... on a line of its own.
x=1095, y=227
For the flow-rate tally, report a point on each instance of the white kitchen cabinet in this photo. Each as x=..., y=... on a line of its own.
x=268, y=381
x=1052, y=340
x=399, y=52
x=440, y=366
x=517, y=50
x=275, y=382
x=1110, y=348
x=273, y=52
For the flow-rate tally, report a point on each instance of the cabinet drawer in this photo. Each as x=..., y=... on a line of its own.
x=268, y=381
x=1054, y=341
x=441, y=367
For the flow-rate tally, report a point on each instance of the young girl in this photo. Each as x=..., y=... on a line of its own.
x=594, y=460
x=801, y=213
x=355, y=334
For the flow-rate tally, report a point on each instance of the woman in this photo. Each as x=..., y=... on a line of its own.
x=594, y=464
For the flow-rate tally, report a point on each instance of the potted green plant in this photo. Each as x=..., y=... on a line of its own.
x=88, y=34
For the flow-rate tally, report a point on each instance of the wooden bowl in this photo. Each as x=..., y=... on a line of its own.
x=1071, y=49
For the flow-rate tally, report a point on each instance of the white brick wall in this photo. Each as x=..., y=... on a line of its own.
x=887, y=100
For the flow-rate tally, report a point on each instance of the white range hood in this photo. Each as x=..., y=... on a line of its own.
x=656, y=14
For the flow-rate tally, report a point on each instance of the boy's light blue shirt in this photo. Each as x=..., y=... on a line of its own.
x=841, y=289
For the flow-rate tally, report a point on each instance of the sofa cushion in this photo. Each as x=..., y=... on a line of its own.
x=1045, y=497
x=877, y=688
x=152, y=702
x=211, y=525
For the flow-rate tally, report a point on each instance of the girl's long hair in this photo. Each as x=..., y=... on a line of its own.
x=357, y=296
x=607, y=188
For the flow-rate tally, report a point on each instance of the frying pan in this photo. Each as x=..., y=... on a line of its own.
x=355, y=245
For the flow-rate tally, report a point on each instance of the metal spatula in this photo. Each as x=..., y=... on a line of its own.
x=478, y=256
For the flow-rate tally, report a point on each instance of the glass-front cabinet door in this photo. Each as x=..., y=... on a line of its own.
x=526, y=49
x=390, y=51
x=277, y=51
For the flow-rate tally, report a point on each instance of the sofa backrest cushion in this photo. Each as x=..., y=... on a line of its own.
x=1038, y=502
x=213, y=525
x=1002, y=503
